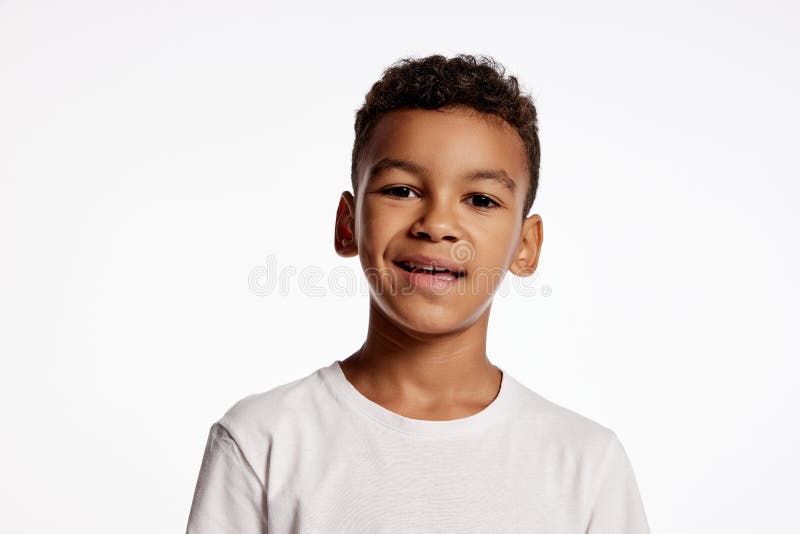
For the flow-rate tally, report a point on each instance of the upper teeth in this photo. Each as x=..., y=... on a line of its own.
x=413, y=265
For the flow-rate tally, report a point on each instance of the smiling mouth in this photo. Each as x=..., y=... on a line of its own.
x=429, y=270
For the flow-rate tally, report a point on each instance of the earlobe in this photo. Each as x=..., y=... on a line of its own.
x=523, y=268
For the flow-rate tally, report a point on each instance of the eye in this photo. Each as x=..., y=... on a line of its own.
x=484, y=202
x=398, y=191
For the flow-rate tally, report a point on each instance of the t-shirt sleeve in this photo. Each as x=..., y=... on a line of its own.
x=229, y=497
x=618, y=508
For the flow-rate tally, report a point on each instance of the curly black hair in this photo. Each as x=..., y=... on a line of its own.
x=435, y=81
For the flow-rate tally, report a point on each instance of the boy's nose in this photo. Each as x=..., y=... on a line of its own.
x=437, y=224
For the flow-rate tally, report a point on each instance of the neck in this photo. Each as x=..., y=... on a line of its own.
x=401, y=367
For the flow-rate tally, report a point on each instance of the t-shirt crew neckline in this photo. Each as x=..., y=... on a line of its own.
x=498, y=410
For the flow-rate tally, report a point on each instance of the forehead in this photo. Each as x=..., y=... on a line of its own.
x=448, y=140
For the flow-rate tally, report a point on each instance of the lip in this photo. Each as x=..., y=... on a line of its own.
x=437, y=283
x=437, y=263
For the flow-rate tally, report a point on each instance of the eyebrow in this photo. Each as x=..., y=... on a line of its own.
x=497, y=175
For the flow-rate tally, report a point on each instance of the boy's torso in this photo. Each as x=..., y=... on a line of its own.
x=329, y=468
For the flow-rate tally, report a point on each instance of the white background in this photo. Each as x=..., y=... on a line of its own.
x=154, y=153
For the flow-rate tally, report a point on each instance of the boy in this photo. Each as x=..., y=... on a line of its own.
x=417, y=431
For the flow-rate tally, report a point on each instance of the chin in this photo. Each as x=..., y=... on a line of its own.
x=428, y=318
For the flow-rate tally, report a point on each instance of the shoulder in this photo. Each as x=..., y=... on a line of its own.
x=248, y=428
x=562, y=425
x=258, y=415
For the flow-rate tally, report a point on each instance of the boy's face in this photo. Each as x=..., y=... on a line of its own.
x=417, y=196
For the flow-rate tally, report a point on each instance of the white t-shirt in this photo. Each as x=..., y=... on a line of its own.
x=316, y=456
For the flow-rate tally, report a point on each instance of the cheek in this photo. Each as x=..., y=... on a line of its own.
x=375, y=231
x=494, y=252
x=493, y=241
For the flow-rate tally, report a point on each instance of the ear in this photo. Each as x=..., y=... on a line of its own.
x=344, y=232
x=526, y=257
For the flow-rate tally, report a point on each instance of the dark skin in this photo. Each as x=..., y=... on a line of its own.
x=425, y=352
